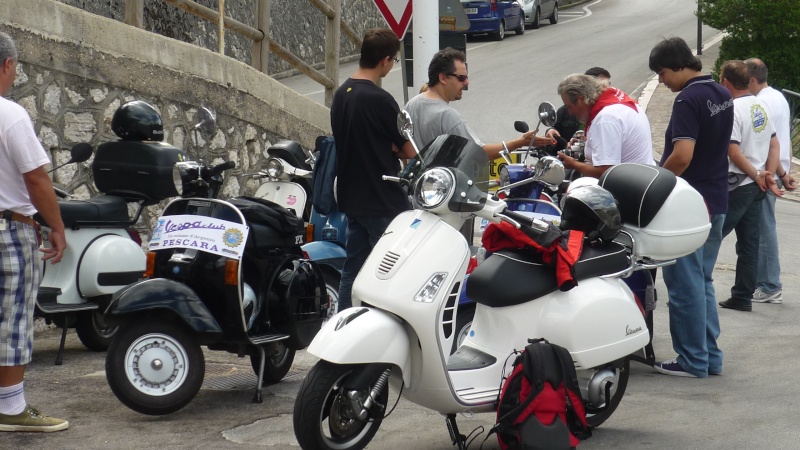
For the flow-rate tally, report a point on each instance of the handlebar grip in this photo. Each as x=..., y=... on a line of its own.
x=523, y=219
x=219, y=168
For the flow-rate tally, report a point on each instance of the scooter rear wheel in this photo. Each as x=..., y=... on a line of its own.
x=93, y=332
x=323, y=415
x=596, y=415
x=332, y=286
x=155, y=367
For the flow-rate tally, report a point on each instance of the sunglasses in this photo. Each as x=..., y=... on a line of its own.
x=461, y=78
x=396, y=60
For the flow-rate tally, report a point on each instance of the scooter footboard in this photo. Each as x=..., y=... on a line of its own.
x=362, y=335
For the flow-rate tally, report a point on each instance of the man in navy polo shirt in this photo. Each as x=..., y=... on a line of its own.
x=696, y=149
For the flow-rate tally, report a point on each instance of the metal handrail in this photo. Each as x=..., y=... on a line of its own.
x=134, y=11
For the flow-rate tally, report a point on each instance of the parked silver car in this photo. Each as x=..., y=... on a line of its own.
x=536, y=10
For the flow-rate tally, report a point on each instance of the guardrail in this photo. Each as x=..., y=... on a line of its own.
x=259, y=34
x=794, y=120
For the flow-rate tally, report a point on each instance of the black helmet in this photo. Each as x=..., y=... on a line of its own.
x=137, y=121
x=594, y=211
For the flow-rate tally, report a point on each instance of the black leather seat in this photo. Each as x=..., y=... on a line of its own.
x=105, y=208
x=512, y=277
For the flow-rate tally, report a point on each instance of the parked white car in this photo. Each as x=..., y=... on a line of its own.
x=536, y=10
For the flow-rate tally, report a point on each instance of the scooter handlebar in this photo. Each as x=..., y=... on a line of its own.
x=219, y=168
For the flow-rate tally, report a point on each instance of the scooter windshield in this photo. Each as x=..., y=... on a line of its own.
x=469, y=163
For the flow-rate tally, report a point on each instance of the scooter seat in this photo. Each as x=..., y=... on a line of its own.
x=105, y=208
x=512, y=277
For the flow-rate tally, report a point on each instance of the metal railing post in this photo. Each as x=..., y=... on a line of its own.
x=260, y=57
x=332, y=34
x=134, y=13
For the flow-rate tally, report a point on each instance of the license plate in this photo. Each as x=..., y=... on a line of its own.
x=470, y=10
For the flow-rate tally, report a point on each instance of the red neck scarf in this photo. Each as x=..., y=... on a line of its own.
x=611, y=96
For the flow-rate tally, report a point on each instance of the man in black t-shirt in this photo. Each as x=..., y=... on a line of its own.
x=368, y=146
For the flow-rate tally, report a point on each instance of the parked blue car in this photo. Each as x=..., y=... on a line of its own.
x=494, y=17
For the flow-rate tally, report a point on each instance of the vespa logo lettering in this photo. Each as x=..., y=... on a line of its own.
x=629, y=331
x=298, y=239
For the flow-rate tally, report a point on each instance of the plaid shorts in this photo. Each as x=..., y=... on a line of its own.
x=19, y=283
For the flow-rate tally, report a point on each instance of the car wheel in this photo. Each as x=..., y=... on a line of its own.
x=554, y=16
x=500, y=34
x=535, y=24
x=520, y=30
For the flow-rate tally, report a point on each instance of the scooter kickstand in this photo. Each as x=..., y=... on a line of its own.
x=456, y=438
x=60, y=353
x=257, y=397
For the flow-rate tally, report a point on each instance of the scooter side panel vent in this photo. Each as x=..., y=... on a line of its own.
x=388, y=262
x=448, y=316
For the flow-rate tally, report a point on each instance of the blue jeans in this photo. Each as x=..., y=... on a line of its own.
x=693, y=319
x=768, y=276
x=744, y=216
x=362, y=235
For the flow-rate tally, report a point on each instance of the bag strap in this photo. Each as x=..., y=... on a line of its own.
x=533, y=352
x=570, y=377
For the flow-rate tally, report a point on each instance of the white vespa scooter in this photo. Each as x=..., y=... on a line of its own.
x=401, y=327
x=287, y=178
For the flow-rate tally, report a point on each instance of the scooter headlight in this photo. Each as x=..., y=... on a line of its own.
x=434, y=187
x=184, y=173
x=274, y=167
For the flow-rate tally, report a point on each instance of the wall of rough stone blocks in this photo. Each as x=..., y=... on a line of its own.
x=295, y=24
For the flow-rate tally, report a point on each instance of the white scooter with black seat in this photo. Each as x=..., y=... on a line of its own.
x=401, y=327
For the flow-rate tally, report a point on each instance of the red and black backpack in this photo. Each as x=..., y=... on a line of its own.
x=540, y=405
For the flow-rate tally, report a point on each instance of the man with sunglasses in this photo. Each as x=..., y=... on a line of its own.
x=433, y=116
x=368, y=146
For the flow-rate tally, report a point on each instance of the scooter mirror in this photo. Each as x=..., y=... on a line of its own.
x=80, y=153
x=549, y=170
x=206, y=121
x=404, y=124
x=521, y=126
x=547, y=114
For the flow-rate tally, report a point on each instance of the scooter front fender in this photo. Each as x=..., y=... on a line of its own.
x=161, y=293
x=362, y=335
x=321, y=251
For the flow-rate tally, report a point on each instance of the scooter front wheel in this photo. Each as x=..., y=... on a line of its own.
x=279, y=361
x=155, y=367
x=324, y=414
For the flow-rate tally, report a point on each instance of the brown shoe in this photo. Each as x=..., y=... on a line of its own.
x=31, y=420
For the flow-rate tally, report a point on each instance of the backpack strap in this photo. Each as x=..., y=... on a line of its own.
x=577, y=424
x=533, y=352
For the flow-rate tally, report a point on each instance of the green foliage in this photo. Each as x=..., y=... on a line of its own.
x=766, y=29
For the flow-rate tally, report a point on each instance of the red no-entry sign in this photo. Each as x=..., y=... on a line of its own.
x=397, y=14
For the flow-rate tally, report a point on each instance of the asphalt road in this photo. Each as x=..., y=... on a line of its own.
x=751, y=406
x=509, y=79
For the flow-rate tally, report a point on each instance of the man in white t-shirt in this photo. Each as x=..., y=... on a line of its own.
x=768, y=276
x=617, y=129
x=753, y=156
x=25, y=189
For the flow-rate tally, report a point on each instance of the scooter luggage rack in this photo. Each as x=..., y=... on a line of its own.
x=635, y=263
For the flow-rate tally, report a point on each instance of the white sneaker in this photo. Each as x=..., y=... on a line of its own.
x=760, y=296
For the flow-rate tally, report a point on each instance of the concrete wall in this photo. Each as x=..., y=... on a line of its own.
x=76, y=68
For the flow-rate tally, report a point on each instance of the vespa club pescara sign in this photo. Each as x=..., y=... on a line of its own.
x=206, y=234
